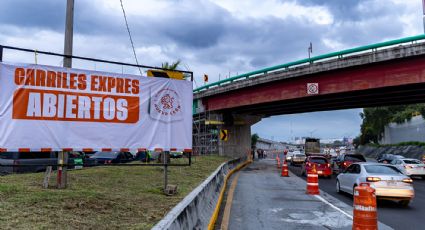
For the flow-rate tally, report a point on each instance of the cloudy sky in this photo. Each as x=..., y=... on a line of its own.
x=214, y=37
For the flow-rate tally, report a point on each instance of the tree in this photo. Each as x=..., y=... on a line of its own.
x=172, y=66
x=356, y=142
x=254, y=139
x=375, y=120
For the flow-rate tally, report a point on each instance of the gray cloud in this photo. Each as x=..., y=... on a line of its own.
x=40, y=14
x=212, y=40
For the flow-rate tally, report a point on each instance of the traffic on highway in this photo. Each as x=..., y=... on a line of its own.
x=399, y=183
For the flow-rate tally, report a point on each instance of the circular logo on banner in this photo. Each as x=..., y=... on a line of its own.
x=312, y=88
x=166, y=105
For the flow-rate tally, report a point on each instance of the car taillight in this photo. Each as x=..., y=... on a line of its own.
x=329, y=165
x=345, y=163
x=373, y=179
x=407, y=180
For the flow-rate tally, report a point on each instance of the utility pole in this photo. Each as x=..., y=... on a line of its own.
x=62, y=176
x=311, y=133
x=69, y=33
x=310, y=49
x=423, y=13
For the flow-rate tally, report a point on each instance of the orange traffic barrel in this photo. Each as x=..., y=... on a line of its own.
x=285, y=172
x=312, y=181
x=365, y=211
x=278, y=163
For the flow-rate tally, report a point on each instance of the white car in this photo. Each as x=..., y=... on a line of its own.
x=387, y=180
x=289, y=156
x=410, y=167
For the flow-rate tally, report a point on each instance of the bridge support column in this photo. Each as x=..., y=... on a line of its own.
x=238, y=143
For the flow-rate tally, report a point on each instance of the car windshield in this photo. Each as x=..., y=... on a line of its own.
x=319, y=160
x=354, y=158
x=106, y=154
x=415, y=162
x=381, y=169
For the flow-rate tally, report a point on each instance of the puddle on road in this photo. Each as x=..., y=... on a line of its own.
x=327, y=219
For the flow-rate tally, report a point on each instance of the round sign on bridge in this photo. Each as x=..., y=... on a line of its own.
x=312, y=88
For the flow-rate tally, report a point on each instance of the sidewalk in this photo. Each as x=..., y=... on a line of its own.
x=264, y=200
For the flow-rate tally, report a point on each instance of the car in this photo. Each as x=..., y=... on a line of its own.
x=345, y=160
x=23, y=162
x=174, y=154
x=323, y=167
x=410, y=167
x=30, y=162
x=298, y=159
x=144, y=156
x=80, y=159
x=389, y=182
x=387, y=158
x=113, y=157
x=289, y=156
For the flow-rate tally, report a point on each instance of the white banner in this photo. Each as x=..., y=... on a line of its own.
x=45, y=107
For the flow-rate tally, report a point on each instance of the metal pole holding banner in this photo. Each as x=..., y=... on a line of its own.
x=62, y=170
x=165, y=170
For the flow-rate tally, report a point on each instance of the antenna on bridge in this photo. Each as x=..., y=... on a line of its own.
x=310, y=49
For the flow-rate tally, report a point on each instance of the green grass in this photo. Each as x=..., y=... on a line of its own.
x=99, y=197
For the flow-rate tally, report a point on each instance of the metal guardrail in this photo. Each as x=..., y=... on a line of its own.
x=338, y=54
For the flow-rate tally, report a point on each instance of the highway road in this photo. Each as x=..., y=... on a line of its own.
x=389, y=212
x=265, y=200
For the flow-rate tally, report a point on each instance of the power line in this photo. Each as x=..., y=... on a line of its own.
x=129, y=35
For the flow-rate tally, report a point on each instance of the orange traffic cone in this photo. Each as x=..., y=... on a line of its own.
x=284, y=169
x=278, y=162
x=365, y=213
x=312, y=181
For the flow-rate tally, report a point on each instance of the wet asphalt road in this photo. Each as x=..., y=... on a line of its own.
x=265, y=200
x=389, y=212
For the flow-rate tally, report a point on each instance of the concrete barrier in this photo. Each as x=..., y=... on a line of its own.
x=196, y=209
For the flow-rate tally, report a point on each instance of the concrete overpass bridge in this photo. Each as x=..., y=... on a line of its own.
x=387, y=73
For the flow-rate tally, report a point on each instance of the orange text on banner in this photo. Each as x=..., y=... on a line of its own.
x=34, y=104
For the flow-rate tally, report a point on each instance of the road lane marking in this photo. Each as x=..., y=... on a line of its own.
x=229, y=201
x=333, y=206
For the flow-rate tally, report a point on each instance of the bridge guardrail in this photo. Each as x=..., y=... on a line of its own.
x=338, y=54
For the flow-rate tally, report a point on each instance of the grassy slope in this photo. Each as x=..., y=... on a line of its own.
x=98, y=198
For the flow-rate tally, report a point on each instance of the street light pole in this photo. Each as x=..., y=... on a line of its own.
x=62, y=175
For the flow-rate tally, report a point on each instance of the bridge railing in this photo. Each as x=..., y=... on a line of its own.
x=338, y=54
